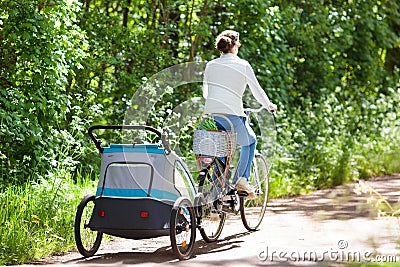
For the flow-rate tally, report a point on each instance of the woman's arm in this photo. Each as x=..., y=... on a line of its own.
x=256, y=89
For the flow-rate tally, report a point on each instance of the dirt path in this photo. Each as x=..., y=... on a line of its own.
x=326, y=227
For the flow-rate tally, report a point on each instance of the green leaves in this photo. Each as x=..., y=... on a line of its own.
x=68, y=64
x=39, y=54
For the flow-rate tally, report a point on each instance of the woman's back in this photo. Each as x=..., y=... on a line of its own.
x=224, y=85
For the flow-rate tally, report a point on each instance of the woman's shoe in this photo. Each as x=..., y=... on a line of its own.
x=243, y=185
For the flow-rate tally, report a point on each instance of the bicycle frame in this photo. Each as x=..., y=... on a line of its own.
x=224, y=198
x=221, y=169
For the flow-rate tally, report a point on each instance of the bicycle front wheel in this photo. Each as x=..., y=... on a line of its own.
x=252, y=210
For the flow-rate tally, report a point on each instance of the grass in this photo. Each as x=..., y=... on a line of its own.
x=37, y=218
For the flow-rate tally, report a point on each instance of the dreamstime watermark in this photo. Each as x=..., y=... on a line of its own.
x=339, y=254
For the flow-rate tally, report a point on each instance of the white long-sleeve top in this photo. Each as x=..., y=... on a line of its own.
x=225, y=80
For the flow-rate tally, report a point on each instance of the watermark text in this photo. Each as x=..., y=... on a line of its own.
x=339, y=254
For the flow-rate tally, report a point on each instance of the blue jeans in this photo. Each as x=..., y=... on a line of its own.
x=246, y=138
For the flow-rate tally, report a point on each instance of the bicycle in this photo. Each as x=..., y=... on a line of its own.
x=216, y=196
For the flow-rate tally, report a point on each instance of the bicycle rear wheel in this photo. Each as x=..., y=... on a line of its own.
x=211, y=214
x=252, y=210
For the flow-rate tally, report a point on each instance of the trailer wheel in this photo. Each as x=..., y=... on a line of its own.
x=87, y=240
x=183, y=228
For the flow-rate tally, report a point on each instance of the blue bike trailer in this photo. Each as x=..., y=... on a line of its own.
x=138, y=186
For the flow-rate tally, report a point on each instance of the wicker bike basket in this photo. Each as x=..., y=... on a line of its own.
x=214, y=143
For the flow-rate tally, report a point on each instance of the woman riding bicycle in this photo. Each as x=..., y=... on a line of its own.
x=225, y=80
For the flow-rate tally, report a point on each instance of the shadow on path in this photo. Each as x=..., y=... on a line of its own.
x=163, y=254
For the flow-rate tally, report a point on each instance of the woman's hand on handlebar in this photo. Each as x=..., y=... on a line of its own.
x=272, y=107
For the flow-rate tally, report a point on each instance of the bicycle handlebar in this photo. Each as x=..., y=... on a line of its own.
x=248, y=111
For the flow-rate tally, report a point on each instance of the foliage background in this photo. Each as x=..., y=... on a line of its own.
x=331, y=66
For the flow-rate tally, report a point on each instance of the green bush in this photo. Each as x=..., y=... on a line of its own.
x=326, y=64
x=332, y=142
